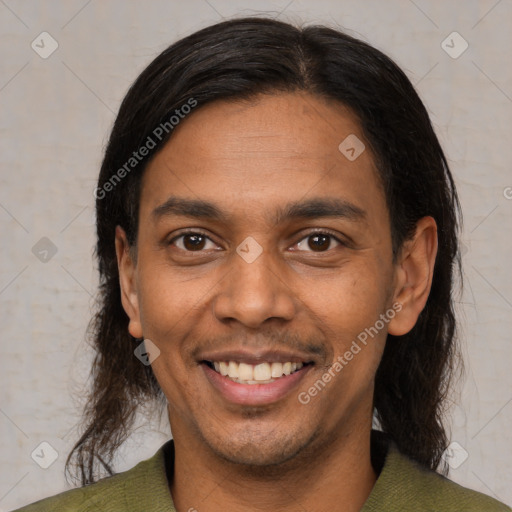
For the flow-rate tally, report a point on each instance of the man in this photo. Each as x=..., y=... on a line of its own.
x=277, y=231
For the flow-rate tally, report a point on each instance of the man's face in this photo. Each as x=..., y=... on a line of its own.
x=210, y=297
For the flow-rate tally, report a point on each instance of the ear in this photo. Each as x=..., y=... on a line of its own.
x=128, y=282
x=413, y=276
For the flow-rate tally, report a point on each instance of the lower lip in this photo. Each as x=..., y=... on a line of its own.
x=254, y=394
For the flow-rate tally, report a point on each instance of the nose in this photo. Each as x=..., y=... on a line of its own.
x=254, y=292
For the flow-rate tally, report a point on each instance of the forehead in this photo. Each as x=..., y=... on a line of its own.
x=258, y=154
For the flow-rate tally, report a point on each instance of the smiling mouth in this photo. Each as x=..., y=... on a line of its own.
x=262, y=373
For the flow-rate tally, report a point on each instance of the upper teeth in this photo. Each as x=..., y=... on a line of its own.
x=260, y=373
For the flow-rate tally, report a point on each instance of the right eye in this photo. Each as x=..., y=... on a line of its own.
x=191, y=241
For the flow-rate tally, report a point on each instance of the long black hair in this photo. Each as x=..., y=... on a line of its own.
x=238, y=59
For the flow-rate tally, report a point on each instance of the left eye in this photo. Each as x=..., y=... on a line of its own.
x=317, y=242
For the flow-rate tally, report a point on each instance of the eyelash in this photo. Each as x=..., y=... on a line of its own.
x=309, y=234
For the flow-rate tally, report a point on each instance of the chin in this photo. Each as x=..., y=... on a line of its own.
x=257, y=450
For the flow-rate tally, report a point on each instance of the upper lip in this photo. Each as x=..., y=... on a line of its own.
x=256, y=357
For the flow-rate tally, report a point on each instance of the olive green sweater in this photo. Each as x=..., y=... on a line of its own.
x=402, y=485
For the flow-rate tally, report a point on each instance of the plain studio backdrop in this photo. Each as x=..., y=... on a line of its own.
x=65, y=66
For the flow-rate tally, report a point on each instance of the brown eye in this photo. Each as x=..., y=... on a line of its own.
x=317, y=242
x=194, y=242
x=191, y=241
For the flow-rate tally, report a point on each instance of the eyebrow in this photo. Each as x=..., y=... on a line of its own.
x=308, y=209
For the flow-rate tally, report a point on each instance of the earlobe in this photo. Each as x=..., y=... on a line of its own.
x=413, y=276
x=127, y=280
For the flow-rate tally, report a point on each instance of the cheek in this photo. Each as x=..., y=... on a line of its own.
x=168, y=311
x=347, y=308
x=350, y=299
x=176, y=383
x=168, y=299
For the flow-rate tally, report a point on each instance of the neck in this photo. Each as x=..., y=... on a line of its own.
x=319, y=478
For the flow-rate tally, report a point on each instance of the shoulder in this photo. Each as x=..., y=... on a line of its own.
x=84, y=499
x=405, y=485
x=145, y=485
x=439, y=493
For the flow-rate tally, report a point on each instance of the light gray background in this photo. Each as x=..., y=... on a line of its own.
x=55, y=118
